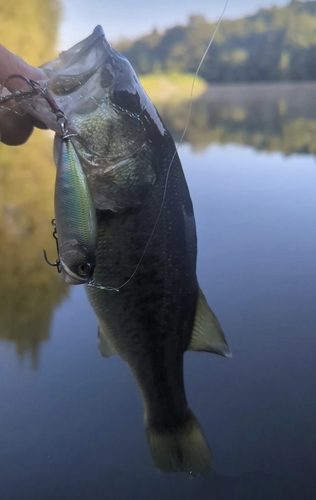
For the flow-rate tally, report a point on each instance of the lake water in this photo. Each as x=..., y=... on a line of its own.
x=71, y=424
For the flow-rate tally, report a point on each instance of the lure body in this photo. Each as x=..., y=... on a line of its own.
x=75, y=215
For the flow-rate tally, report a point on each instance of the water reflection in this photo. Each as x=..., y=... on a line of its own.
x=275, y=117
x=80, y=418
x=29, y=290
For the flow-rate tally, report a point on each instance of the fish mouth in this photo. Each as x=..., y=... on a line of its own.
x=87, y=42
x=72, y=56
x=92, y=73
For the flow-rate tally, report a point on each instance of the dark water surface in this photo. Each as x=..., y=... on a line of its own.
x=71, y=424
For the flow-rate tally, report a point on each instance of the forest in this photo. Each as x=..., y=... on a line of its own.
x=29, y=291
x=275, y=44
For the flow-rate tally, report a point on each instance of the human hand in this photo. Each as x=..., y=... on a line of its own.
x=16, y=128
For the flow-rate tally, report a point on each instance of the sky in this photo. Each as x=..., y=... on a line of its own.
x=131, y=18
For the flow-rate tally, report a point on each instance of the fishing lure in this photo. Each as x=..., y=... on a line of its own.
x=75, y=214
x=75, y=228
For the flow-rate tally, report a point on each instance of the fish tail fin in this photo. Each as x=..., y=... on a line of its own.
x=181, y=450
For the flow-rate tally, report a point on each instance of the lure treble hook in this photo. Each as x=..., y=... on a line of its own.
x=57, y=263
x=37, y=89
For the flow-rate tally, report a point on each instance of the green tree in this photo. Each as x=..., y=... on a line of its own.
x=30, y=28
x=29, y=288
x=274, y=44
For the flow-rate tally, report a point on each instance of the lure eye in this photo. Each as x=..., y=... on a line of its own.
x=127, y=99
x=84, y=269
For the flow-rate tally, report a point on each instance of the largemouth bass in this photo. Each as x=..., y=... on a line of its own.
x=146, y=245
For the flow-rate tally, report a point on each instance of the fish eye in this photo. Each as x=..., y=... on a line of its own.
x=127, y=100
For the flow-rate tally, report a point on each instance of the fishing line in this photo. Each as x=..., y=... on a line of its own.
x=174, y=154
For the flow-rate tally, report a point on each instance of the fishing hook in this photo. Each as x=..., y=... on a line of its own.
x=60, y=115
x=57, y=263
x=37, y=89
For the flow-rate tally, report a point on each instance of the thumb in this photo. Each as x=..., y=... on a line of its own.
x=11, y=64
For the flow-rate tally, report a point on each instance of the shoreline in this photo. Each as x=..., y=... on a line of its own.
x=249, y=91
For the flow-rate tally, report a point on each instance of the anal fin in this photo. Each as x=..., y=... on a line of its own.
x=207, y=334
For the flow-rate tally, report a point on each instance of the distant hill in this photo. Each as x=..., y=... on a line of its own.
x=274, y=44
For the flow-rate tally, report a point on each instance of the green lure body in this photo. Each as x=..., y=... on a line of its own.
x=75, y=215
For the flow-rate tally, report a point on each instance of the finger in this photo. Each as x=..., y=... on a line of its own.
x=38, y=123
x=13, y=64
x=15, y=129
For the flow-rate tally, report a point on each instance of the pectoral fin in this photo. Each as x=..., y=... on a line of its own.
x=207, y=334
x=105, y=346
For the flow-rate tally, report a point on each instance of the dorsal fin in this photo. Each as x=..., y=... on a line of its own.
x=207, y=334
x=105, y=346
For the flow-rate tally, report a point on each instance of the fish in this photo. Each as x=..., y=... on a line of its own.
x=75, y=215
x=146, y=242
